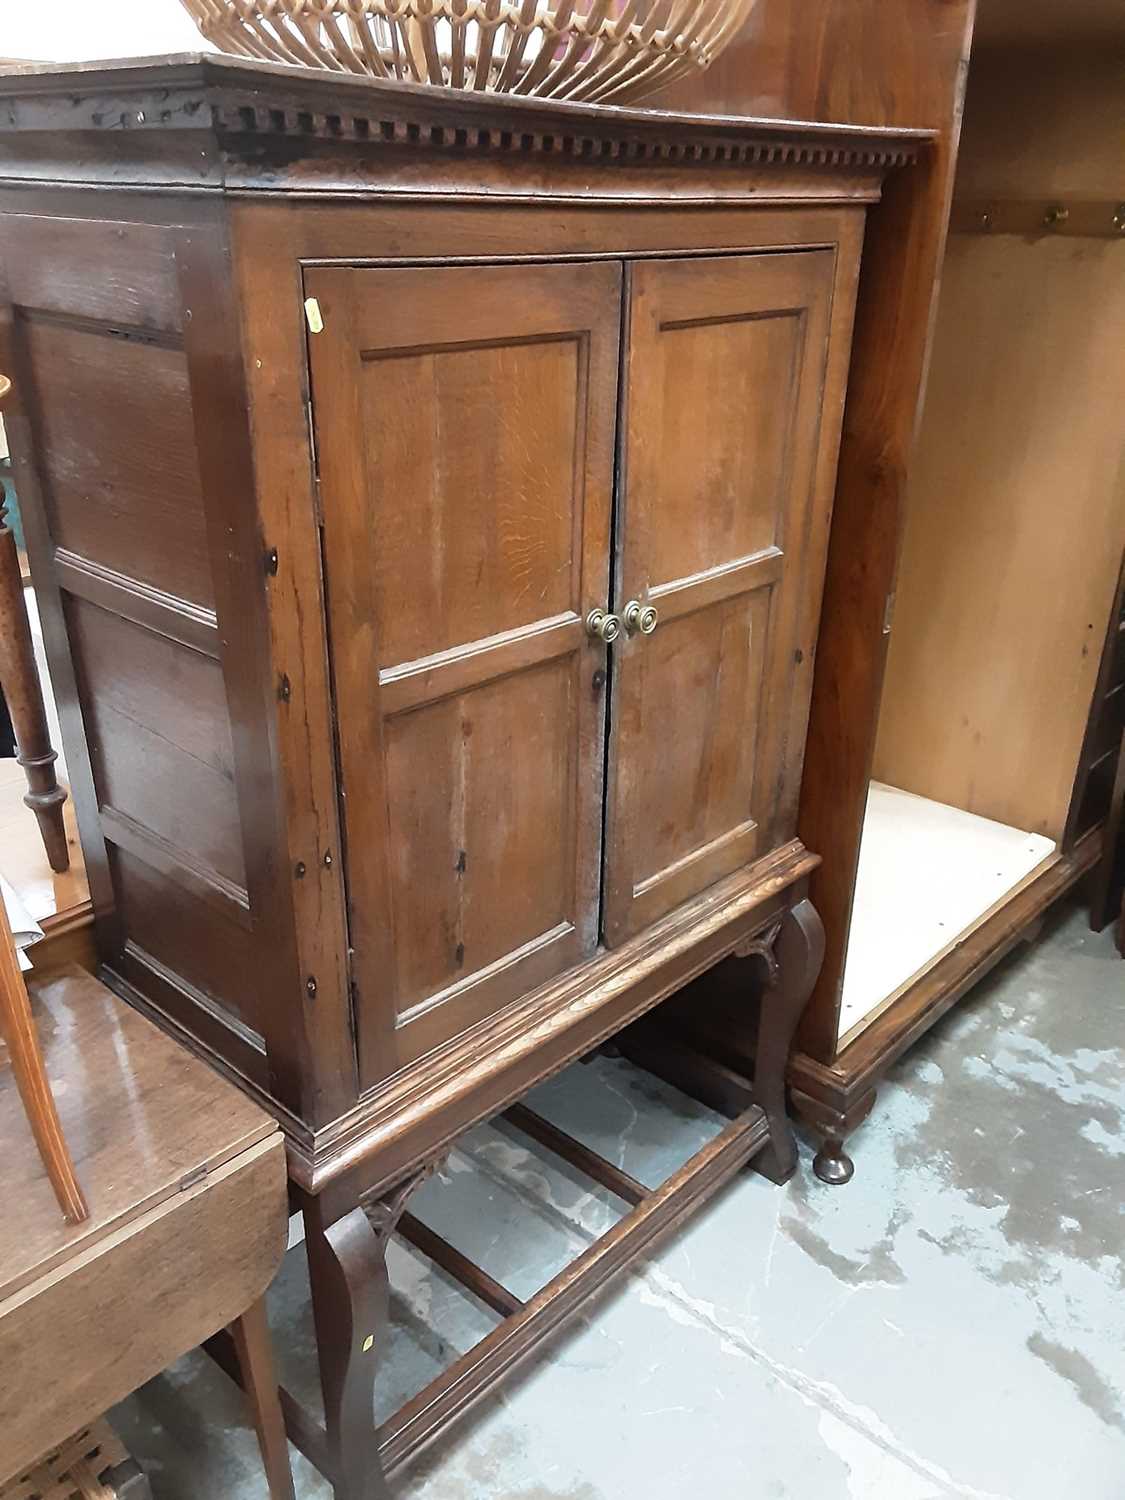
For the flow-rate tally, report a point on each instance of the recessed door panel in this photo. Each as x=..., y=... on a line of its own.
x=724, y=378
x=464, y=423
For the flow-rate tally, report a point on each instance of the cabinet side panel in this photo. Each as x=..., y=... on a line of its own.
x=1013, y=542
x=133, y=548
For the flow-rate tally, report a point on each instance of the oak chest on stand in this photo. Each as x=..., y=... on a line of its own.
x=428, y=499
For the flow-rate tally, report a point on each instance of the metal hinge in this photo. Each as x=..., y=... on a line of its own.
x=313, y=315
x=189, y=1179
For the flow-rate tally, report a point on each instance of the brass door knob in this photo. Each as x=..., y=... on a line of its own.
x=603, y=626
x=640, y=617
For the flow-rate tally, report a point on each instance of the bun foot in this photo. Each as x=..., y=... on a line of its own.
x=833, y=1165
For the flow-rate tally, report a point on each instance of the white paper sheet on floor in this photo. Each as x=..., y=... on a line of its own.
x=24, y=929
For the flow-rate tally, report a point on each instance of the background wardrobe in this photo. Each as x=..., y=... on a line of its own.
x=958, y=782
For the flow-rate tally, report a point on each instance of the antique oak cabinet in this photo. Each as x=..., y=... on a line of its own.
x=428, y=496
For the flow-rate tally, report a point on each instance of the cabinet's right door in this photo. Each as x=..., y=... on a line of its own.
x=725, y=377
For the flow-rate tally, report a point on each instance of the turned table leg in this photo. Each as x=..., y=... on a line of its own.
x=793, y=953
x=254, y=1347
x=19, y=679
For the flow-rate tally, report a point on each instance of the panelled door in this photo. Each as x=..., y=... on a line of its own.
x=725, y=369
x=465, y=430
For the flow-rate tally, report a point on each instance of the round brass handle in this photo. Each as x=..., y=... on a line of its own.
x=640, y=617
x=603, y=626
x=5, y=387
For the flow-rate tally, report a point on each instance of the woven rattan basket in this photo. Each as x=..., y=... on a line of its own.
x=608, y=50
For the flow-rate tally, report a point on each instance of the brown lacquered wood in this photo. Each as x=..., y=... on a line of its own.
x=18, y=1028
x=254, y=1347
x=1105, y=733
x=462, y=554
x=88, y=1032
x=565, y=1146
x=725, y=358
x=460, y=1267
x=186, y=1187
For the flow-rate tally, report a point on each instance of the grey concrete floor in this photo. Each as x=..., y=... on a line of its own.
x=950, y=1324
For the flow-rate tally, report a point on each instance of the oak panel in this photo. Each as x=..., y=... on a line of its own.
x=117, y=461
x=159, y=735
x=216, y=958
x=699, y=700
x=470, y=701
x=497, y=766
x=48, y=262
x=483, y=556
x=726, y=364
x=722, y=450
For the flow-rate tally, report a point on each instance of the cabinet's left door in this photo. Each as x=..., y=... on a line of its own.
x=464, y=424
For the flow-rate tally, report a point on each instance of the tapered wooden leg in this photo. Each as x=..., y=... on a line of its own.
x=17, y=1027
x=19, y=678
x=793, y=953
x=254, y=1346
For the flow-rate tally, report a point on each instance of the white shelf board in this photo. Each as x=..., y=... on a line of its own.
x=927, y=874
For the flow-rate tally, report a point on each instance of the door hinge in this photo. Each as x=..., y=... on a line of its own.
x=313, y=315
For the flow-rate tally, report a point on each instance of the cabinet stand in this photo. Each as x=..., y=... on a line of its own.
x=347, y=1253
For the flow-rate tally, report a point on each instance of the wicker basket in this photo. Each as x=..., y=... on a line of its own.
x=607, y=50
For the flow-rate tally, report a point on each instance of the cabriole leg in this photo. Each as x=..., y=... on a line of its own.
x=350, y=1296
x=793, y=954
x=348, y=1277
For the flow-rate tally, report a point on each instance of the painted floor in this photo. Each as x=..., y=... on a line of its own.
x=950, y=1324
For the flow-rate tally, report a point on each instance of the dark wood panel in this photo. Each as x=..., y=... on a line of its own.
x=724, y=388
x=160, y=737
x=464, y=423
x=699, y=693
x=482, y=556
x=49, y=264
x=171, y=1123
x=457, y=833
x=190, y=624
x=216, y=957
x=116, y=447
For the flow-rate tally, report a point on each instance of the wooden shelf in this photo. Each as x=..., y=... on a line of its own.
x=928, y=875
